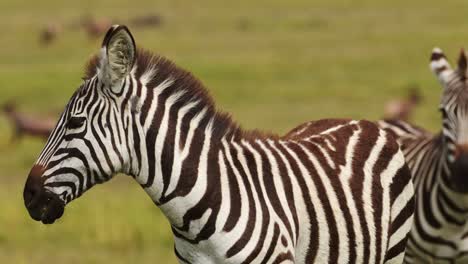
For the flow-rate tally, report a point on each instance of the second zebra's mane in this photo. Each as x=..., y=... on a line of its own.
x=193, y=90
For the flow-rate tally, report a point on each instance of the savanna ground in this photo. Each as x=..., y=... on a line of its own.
x=272, y=64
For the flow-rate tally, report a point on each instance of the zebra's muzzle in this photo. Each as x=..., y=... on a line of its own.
x=459, y=177
x=41, y=204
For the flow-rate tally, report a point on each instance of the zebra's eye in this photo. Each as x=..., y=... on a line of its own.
x=75, y=122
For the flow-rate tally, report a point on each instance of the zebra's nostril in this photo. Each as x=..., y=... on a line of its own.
x=33, y=186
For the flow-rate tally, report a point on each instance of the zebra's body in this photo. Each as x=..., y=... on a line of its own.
x=338, y=191
x=439, y=164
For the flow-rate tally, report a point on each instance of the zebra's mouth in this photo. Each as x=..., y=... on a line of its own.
x=46, y=207
x=459, y=180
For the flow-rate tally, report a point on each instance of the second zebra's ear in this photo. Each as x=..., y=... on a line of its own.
x=462, y=64
x=118, y=56
x=440, y=66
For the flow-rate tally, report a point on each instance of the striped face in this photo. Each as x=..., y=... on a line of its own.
x=86, y=146
x=454, y=109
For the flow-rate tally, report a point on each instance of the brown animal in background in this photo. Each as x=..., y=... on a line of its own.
x=25, y=124
x=401, y=109
x=95, y=27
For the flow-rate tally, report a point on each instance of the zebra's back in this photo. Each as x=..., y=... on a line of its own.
x=330, y=191
x=359, y=188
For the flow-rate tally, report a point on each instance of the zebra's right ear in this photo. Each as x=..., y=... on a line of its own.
x=118, y=55
x=440, y=66
x=462, y=64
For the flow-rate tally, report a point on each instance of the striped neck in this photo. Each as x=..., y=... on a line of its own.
x=454, y=205
x=173, y=130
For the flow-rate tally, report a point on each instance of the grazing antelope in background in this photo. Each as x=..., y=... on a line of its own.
x=337, y=191
x=439, y=164
x=94, y=26
x=49, y=33
x=24, y=124
x=401, y=109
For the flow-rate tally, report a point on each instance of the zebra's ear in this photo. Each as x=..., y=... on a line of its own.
x=462, y=63
x=118, y=55
x=440, y=66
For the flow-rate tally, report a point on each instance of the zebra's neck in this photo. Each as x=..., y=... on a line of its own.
x=433, y=184
x=177, y=134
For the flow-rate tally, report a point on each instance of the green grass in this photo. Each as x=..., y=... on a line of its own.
x=272, y=64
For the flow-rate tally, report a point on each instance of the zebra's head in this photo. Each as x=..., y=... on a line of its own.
x=454, y=108
x=87, y=144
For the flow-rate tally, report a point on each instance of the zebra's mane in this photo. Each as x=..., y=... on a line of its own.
x=193, y=88
x=457, y=87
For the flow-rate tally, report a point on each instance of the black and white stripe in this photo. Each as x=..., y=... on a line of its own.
x=439, y=164
x=331, y=191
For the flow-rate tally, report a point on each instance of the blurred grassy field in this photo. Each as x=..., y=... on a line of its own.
x=272, y=64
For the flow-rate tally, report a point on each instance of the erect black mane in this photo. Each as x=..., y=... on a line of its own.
x=193, y=89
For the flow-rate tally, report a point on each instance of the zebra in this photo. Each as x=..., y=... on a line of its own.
x=439, y=164
x=338, y=191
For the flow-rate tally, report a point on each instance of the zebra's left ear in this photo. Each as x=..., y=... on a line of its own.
x=118, y=55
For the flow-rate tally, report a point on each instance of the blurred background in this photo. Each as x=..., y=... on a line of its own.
x=272, y=64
